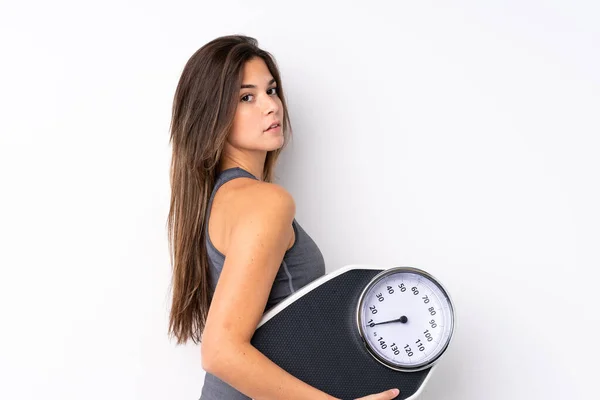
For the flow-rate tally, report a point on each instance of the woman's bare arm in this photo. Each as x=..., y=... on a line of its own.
x=257, y=243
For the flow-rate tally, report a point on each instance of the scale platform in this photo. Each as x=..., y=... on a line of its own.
x=313, y=335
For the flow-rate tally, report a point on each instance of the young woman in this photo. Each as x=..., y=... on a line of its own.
x=236, y=248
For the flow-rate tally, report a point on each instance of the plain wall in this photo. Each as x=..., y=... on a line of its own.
x=456, y=137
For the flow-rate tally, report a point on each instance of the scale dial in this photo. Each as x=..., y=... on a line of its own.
x=405, y=318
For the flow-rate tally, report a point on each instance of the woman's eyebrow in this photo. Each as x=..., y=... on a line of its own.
x=248, y=86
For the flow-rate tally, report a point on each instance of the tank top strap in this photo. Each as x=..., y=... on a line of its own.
x=224, y=177
x=229, y=174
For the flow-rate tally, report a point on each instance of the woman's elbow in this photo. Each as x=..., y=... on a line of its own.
x=207, y=357
x=214, y=355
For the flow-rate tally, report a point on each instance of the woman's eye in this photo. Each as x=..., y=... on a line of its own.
x=245, y=97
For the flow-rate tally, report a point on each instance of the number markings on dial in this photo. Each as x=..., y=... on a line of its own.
x=382, y=291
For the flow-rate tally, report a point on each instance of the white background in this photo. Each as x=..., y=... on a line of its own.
x=456, y=137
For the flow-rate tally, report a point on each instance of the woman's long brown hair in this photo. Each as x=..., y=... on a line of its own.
x=204, y=106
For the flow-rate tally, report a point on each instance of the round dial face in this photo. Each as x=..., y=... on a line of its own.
x=405, y=318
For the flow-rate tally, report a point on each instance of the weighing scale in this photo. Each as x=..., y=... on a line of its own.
x=360, y=330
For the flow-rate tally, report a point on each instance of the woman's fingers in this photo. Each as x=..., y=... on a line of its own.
x=387, y=395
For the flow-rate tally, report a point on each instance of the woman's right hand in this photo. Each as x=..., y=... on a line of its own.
x=388, y=394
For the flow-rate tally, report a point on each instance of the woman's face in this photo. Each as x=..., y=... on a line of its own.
x=259, y=106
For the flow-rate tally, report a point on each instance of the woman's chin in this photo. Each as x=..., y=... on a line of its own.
x=278, y=142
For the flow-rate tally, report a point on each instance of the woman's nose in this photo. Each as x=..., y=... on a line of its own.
x=270, y=105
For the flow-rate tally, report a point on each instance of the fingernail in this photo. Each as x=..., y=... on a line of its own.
x=395, y=391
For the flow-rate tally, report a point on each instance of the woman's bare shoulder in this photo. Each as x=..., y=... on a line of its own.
x=242, y=197
x=257, y=194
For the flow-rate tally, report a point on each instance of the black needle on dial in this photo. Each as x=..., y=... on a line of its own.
x=402, y=319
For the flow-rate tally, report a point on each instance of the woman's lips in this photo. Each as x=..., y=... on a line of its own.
x=276, y=129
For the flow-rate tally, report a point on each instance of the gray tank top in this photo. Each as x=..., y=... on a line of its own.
x=302, y=263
